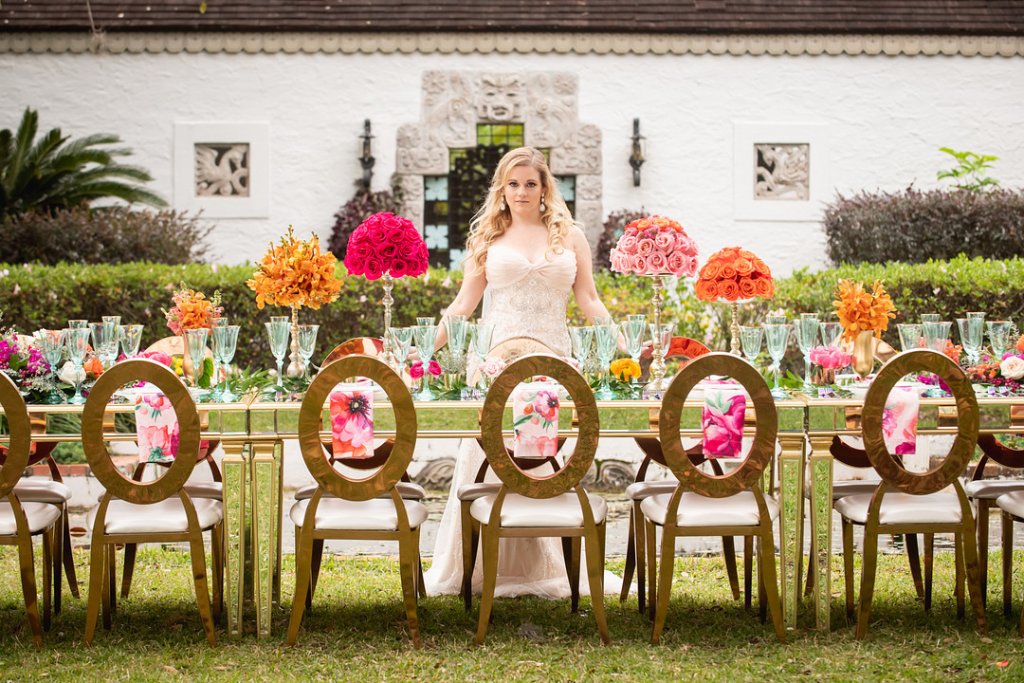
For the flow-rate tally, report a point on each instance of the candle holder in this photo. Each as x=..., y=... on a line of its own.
x=658, y=366
x=388, y=352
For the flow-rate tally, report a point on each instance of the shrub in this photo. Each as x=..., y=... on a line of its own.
x=107, y=235
x=357, y=210
x=613, y=228
x=914, y=226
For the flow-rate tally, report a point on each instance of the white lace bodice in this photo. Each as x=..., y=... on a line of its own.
x=529, y=299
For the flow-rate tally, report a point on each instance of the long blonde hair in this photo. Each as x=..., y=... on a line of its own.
x=491, y=221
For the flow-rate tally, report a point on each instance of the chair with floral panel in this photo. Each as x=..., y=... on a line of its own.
x=1011, y=505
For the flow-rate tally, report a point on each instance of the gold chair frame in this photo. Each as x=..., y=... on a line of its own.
x=895, y=477
x=103, y=568
x=1013, y=458
x=1008, y=521
x=11, y=471
x=333, y=482
x=747, y=477
x=568, y=478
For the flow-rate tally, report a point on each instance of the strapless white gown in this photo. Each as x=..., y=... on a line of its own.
x=527, y=299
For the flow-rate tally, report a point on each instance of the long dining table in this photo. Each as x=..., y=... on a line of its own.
x=252, y=433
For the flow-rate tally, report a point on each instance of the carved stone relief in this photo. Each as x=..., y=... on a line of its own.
x=782, y=172
x=580, y=154
x=222, y=169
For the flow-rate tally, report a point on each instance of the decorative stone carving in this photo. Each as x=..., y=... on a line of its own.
x=419, y=151
x=411, y=188
x=449, y=112
x=588, y=188
x=552, y=117
x=590, y=217
x=222, y=169
x=580, y=154
x=782, y=172
x=500, y=98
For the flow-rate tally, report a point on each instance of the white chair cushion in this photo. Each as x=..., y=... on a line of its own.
x=1012, y=503
x=696, y=510
x=904, y=508
x=167, y=516
x=640, y=490
x=37, y=490
x=470, y=492
x=523, y=512
x=378, y=514
x=847, y=487
x=213, y=490
x=406, y=489
x=38, y=515
x=991, y=489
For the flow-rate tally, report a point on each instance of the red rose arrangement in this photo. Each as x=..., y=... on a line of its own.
x=732, y=274
x=655, y=245
x=386, y=244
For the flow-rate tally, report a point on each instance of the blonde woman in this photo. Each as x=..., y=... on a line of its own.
x=526, y=251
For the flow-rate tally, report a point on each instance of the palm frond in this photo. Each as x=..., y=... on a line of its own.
x=133, y=194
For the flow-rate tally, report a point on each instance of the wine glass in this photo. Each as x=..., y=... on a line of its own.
x=196, y=341
x=78, y=347
x=664, y=335
x=830, y=332
x=78, y=324
x=750, y=339
x=456, y=326
x=104, y=342
x=607, y=335
x=222, y=321
x=806, y=335
x=910, y=335
x=401, y=341
x=972, y=333
x=481, y=339
x=998, y=337
x=930, y=318
x=131, y=339
x=225, y=341
x=307, y=345
x=936, y=334
x=425, y=333
x=51, y=344
x=634, y=330
x=277, y=330
x=582, y=339
x=777, y=338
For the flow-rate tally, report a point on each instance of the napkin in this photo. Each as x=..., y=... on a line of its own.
x=157, y=427
x=722, y=419
x=899, y=420
x=535, y=420
x=352, y=420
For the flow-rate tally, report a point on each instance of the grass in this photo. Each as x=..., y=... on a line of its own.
x=357, y=631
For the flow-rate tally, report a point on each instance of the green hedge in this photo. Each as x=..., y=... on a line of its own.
x=39, y=296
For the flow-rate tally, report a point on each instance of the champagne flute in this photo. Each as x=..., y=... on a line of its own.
x=425, y=333
x=78, y=346
x=131, y=339
x=483, y=333
x=456, y=326
x=401, y=341
x=582, y=339
x=777, y=337
x=225, y=341
x=633, y=330
x=751, y=337
x=104, y=342
x=806, y=334
x=196, y=340
x=277, y=330
x=971, y=336
x=607, y=334
x=307, y=345
x=52, y=346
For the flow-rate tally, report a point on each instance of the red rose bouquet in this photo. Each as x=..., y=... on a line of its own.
x=386, y=244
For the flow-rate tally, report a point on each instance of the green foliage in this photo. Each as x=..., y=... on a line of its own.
x=108, y=235
x=971, y=170
x=915, y=226
x=54, y=171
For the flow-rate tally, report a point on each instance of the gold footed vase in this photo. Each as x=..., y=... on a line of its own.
x=864, y=353
x=295, y=368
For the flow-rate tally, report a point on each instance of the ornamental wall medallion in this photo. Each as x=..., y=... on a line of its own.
x=782, y=171
x=222, y=169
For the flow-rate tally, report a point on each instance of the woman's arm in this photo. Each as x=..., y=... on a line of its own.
x=584, y=288
x=472, y=290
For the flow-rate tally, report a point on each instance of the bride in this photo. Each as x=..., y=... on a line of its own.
x=525, y=249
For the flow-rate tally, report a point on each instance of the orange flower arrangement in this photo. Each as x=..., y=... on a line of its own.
x=860, y=310
x=192, y=310
x=295, y=273
x=733, y=273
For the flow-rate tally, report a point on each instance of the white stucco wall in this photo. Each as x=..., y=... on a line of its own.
x=886, y=117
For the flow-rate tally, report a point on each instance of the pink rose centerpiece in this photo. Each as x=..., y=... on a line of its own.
x=829, y=359
x=655, y=245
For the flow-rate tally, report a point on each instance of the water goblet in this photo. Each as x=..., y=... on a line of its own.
x=582, y=340
x=634, y=330
x=607, y=336
x=930, y=318
x=971, y=336
x=78, y=324
x=830, y=332
x=196, y=341
x=104, y=342
x=114, y=319
x=481, y=339
x=910, y=335
x=225, y=341
x=401, y=341
x=750, y=339
x=775, y=319
x=51, y=344
x=777, y=339
x=936, y=334
x=806, y=335
x=456, y=327
x=664, y=335
x=78, y=347
x=278, y=330
x=998, y=337
x=307, y=345
x=131, y=339
x=425, y=333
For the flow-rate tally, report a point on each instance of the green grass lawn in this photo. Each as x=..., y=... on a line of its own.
x=356, y=631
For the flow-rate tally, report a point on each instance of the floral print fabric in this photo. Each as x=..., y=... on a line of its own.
x=352, y=421
x=899, y=421
x=157, y=427
x=722, y=421
x=535, y=420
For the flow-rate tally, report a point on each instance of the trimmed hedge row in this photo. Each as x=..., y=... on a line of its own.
x=34, y=296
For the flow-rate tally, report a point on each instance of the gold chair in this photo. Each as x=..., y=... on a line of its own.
x=541, y=507
x=706, y=505
x=162, y=511
x=343, y=508
x=909, y=503
x=1012, y=507
x=19, y=522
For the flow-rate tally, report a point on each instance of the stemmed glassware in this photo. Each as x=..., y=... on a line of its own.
x=51, y=344
x=425, y=333
x=633, y=330
x=104, y=342
x=401, y=341
x=910, y=335
x=930, y=318
x=307, y=345
x=607, y=334
x=480, y=339
x=278, y=329
x=806, y=335
x=750, y=340
x=582, y=339
x=131, y=338
x=777, y=338
x=936, y=334
x=972, y=334
x=78, y=346
x=456, y=327
x=225, y=341
x=196, y=340
x=830, y=332
x=666, y=330
x=78, y=324
x=998, y=337
x=222, y=321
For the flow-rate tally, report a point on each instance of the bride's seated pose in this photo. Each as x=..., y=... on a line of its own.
x=526, y=251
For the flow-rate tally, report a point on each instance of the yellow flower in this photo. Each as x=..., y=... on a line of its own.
x=625, y=369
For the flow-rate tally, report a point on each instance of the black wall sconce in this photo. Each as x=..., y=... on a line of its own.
x=636, y=158
x=366, y=160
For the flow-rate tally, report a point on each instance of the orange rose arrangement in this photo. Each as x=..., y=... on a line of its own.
x=192, y=310
x=295, y=273
x=731, y=274
x=860, y=310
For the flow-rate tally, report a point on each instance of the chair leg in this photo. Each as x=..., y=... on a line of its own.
x=198, y=555
x=57, y=562
x=129, y=569
x=408, y=551
x=571, y=546
x=762, y=594
x=28, y=588
x=595, y=577
x=972, y=571
x=639, y=528
x=914, y=559
x=217, y=545
x=748, y=570
x=769, y=582
x=489, y=541
x=1007, y=523
x=314, y=568
x=984, y=509
x=958, y=587
x=631, y=551
x=812, y=570
x=47, y=576
x=109, y=569
x=468, y=558
x=847, y=567
x=664, y=590
x=929, y=566
x=97, y=576
x=729, y=553
x=867, y=580
x=650, y=534
x=303, y=560
x=69, y=558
